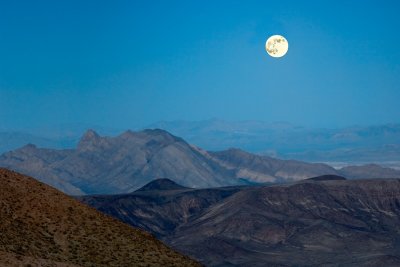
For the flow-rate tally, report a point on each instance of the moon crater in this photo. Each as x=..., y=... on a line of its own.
x=276, y=46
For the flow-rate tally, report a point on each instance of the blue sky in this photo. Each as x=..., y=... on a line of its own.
x=126, y=64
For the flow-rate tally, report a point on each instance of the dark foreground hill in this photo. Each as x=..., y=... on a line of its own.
x=162, y=210
x=40, y=226
x=325, y=221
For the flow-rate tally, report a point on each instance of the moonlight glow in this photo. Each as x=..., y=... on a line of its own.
x=276, y=46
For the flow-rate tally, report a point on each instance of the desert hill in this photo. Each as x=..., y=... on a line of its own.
x=39, y=224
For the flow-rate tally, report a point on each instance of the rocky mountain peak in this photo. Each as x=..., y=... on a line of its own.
x=90, y=134
x=161, y=184
x=89, y=140
x=29, y=147
x=127, y=134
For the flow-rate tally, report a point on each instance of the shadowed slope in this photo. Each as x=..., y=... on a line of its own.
x=310, y=223
x=40, y=222
x=329, y=177
x=159, y=211
x=326, y=220
x=161, y=184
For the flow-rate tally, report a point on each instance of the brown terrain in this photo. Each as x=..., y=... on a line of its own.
x=15, y=260
x=40, y=226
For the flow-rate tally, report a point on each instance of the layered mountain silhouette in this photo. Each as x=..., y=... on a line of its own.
x=325, y=220
x=40, y=226
x=126, y=162
x=118, y=164
x=374, y=143
x=357, y=144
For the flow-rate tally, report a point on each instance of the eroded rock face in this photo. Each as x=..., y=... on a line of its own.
x=312, y=222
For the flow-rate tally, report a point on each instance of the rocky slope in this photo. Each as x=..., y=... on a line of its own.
x=266, y=169
x=42, y=226
x=118, y=164
x=321, y=221
x=160, y=206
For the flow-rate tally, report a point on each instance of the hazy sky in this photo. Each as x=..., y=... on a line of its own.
x=130, y=63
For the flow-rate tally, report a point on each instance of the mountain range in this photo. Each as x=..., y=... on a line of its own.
x=355, y=144
x=40, y=226
x=322, y=221
x=122, y=164
x=339, y=146
x=10, y=140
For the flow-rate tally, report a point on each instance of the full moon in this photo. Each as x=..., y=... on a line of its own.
x=277, y=46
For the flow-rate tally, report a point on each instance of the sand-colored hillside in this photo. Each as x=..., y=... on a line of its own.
x=40, y=222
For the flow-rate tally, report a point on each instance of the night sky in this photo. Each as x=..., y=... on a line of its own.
x=130, y=63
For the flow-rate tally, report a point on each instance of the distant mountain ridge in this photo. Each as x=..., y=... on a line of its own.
x=10, y=140
x=118, y=164
x=124, y=163
x=356, y=144
x=375, y=143
x=267, y=169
